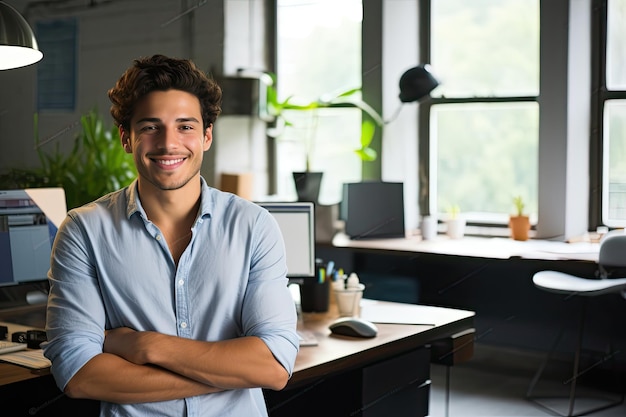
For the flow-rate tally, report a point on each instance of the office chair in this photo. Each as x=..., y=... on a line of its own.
x=612, y=255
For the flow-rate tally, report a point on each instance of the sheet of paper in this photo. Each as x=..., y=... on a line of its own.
x=406, y=313
x=30, y=358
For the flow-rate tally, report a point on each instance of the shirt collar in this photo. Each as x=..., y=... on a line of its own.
x=207, y=201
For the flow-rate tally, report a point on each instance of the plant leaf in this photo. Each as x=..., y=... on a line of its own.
x=367, y=133
x=367, y=154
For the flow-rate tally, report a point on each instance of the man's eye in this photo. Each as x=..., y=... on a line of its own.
x=148, y=128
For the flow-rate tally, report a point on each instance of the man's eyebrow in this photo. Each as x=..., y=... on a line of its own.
x=157, y=120
x=187, y=119
x=148, y=119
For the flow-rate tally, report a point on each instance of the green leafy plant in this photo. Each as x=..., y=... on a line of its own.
x=453, y=211
x=96, y=164
x=350, y=98
x=519, y=204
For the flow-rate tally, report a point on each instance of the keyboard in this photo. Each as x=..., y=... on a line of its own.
x=8, y=347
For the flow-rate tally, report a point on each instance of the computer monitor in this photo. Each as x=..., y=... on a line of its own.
x=297, y=224
x=29, y=220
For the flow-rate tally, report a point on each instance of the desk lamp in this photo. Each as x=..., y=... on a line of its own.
x=415, y=84
x=18, y=46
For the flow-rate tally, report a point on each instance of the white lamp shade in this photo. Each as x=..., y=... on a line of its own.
x=18, y=46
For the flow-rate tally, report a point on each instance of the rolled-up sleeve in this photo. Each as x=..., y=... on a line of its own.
x=75, y=313
x=269, y=310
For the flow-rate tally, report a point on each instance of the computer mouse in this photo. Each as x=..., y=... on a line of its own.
x=353, y=326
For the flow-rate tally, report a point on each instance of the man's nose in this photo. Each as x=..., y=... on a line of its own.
x=169, y=138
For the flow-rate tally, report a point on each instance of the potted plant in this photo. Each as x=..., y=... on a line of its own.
x=308, y=181
x=455, y=223
x=96, y=164
x=519, y=223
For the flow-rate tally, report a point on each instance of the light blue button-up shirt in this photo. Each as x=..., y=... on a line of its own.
x=111, y=267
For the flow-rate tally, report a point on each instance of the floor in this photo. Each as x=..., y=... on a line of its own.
x=494, y=383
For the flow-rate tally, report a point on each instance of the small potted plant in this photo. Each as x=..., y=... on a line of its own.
x=519, y=223
x=455, y=223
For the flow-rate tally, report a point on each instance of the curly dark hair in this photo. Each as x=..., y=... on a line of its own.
x=160, y=73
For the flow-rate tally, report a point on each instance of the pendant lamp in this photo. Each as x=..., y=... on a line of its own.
x=18, y=46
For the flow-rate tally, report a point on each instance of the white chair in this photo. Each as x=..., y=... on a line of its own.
x=612, y=255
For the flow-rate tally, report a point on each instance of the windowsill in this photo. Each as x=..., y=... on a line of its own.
x=478, y=231
x=478, y=246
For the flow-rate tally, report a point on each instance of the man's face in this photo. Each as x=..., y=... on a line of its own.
x=167, y=139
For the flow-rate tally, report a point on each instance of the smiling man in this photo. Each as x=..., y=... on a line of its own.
x=169, y=297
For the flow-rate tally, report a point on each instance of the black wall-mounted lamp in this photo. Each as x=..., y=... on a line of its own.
x=18, y=46
x=416, y=83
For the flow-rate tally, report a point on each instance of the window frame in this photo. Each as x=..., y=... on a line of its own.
x=57, y=73
x=563, y=210
x=427, y=188
x=274, y=174
x=600, y=94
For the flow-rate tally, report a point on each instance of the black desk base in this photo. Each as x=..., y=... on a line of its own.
x=398, y=386
x=40, y=397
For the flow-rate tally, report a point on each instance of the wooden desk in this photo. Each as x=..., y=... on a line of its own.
x=388, y=375
x=339, y=376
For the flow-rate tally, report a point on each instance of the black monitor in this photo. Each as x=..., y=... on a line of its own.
x=373, y=209
x=297, y=224
x=29, y=220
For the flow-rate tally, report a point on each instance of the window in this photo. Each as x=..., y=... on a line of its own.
x=484, y=116
x=56, y=73
x=612, y=99
x=318, y=53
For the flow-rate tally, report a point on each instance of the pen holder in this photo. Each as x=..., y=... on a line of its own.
x=314, y=296
x=349, y=301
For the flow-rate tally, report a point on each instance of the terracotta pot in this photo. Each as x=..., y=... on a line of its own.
x=519, y=225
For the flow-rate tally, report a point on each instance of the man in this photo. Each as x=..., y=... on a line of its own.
x=169, y=297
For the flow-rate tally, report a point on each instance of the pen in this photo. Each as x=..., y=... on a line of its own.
x=329, y=268
x=321, y=275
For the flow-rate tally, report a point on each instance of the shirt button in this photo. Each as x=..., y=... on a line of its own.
x=183, y=325
x=181, y=282
x=158, y=237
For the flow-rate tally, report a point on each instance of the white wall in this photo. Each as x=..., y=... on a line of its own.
x=564, y=121
x=400, y=137
x=240, y=141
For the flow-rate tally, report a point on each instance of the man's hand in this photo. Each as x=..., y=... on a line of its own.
x=130, y=344
x=244, y=362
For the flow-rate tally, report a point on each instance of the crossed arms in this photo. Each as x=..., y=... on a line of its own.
x=170, y=367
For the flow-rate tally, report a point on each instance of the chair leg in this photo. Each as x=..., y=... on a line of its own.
x=447, y=390
x=542, y=367
x=575, y=369
x=576, y=373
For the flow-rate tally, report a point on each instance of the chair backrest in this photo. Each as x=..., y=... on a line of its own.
x=612, y=250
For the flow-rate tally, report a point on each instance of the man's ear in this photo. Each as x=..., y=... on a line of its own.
x=125, y=139
x=208, y=137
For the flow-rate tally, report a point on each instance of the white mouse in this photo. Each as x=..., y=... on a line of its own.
x=353, y=326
